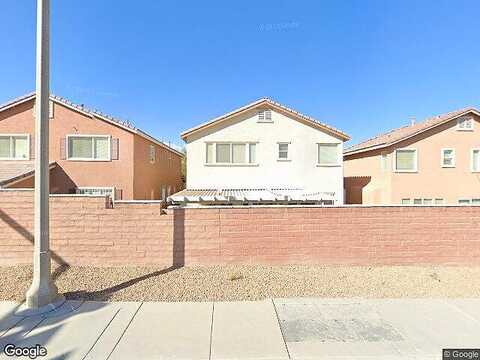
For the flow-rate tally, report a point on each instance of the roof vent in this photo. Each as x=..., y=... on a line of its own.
x=413, y=120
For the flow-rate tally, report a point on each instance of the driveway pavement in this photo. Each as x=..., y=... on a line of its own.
x=270, y=329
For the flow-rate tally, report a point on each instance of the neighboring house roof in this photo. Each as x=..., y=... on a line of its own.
x=13, y=171
x=126, y=125
x=405, y=132
x=275, y=105
x=250, y=195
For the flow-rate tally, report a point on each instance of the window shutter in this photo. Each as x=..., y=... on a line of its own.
x=115, y=149
x=63, y=152
x=118, y=194
x=32, y=147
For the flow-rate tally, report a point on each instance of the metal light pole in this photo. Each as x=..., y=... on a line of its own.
x=42, y=291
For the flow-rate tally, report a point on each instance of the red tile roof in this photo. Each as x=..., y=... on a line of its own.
x=396, y=135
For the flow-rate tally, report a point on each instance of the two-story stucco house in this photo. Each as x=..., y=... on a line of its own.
x=436, y=161
x=263, y=152
x=90, y=153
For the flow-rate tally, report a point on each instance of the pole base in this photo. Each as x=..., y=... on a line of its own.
x=41, y=293
x=25, y=311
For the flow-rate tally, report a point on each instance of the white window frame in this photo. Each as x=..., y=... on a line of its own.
x=406, y=201
x=415, y=162
x=439, y=201
x=152, y=154
x=111, y=188
x=472, y=169
x=67, y=147
x=247, y=153
x=442, y=158
x=288, y=151
x=464, y=200
x=11, y=147
x=262, y=116
x=339, y=155
x=465, y=118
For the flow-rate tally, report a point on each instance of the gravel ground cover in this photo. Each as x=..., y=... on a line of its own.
x=225, y=283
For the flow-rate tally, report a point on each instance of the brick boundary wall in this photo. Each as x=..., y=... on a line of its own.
x=86, y=231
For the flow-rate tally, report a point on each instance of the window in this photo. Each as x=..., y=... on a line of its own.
x=96, y=191
x=252, y=156
x=406, y=160
x=14, y=147
x=465, y=124
x=223, y=153
x=210, y=153
x=88, y=148
x=283, y=151
x=405, y=201
x=417, y=201
x=438, y=201
x=328, y=155
x=230, y=153
x=427, y=201
x=475, y=160
x=152, y=154
x=475, y=201
x=239, y=153
x=265, y=116
x=448, y=158
x=384, y=161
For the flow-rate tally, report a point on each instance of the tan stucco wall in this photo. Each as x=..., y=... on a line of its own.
x=431, y=180
x=150, y=177
x=118, y=173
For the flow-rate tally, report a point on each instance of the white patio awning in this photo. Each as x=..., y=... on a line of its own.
x=251, y=195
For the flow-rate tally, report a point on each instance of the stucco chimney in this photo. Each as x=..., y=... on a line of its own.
x=412, y=120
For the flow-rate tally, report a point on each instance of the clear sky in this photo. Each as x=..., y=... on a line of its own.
x=361, y=66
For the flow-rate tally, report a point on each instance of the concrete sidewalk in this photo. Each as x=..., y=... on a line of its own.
x=279, y=329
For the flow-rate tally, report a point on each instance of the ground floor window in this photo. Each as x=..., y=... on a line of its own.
x=473, y=201
x=423, y=201
x=97, y=191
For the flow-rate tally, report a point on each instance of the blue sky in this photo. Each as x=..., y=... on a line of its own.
x=361, y=66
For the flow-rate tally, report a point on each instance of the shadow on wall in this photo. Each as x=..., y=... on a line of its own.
x=178, y=250
x=354, y=188
x=178, y=259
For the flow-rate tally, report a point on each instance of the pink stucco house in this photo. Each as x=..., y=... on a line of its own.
x=436, y=161
x=90, y=153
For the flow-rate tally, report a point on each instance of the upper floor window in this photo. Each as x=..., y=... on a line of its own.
x=88, y=147
x=231, y=153
x=265, y=115
x=448, y=158
x=283, y=151
x=465, y=123
x=406, y=160
x=328, y=155
x=475, y=160
x=152, y=154
x=14, y=147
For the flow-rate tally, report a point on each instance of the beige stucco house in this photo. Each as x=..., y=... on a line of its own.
x=436, y=161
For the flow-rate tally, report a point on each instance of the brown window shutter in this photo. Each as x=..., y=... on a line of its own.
x=63, y=152
x=115, y=149
x=118, y=194
x=32, y=147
